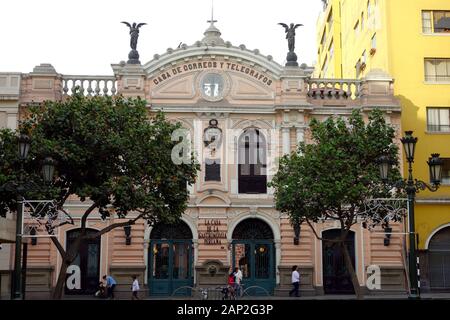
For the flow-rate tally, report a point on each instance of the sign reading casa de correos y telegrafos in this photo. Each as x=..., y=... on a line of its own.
x=218, y=65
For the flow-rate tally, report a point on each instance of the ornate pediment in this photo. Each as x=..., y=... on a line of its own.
x=212, y=80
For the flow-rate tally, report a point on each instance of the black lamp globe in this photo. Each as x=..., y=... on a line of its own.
x=48, y=169
x=24, y=146
x=384, y=162
x=435, y=163
x=409, y=144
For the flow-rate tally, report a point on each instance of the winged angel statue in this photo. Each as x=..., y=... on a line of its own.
x=134, y=32
x=290, y=34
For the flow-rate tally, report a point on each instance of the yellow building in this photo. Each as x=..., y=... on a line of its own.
x=410, y=40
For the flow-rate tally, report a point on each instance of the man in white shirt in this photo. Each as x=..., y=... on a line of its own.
x=135, y=288
x=295, y=282
x=237, y=281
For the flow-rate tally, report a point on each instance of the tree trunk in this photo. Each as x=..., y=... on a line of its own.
x=67, y=259
x=58, y=291
x=351, y=270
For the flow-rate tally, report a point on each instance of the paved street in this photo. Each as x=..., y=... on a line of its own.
x=425, y=296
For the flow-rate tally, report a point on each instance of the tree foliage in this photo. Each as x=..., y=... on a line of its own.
x=333, y=177
x=110, y=154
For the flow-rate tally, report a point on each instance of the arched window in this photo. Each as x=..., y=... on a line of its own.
x=253, y=229
x=177, y=231
x=252, y=162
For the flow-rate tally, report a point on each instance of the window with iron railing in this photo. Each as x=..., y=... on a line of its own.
x=437, y=69
x=438, y=119
x=252, y=176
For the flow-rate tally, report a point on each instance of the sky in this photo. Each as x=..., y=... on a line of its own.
x=84, y=37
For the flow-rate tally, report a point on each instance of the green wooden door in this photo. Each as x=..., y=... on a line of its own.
x=170, y=267
x=256, y=260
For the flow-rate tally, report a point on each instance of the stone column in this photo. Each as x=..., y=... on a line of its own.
x=286, y=140
x=300, y=135
x=277, y=259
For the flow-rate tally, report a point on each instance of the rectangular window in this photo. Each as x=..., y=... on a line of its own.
x=330, y=20
x=358, y=69
x=325, y=66
x=441, y=21
x=438, y=119
x=331, y=49
x=322, y=41
x=427, y=24
x=362, y=21
x=446, y=171
x=373, y=41
x=435, y=21
x=356, y=28
x=369, y=9
x=437, y=70
x=212, y=170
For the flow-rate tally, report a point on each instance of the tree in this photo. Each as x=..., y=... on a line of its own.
x=110, y=154
x=332, y=178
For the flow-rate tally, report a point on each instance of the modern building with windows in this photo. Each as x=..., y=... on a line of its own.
x=257, y=110
x=410, y=40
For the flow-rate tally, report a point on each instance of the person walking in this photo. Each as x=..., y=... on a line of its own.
x=237, y=281
x=110, y=286
x=135, y=289
x=295, y=282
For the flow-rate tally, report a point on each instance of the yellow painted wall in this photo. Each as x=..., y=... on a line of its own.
x=332, y=35
x=401, y=50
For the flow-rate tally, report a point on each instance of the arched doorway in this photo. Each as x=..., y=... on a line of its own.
x=336, y=277
x=171, y=258
x=252, y=176
x=439, y=260
x=88, y=260
x=254, y=253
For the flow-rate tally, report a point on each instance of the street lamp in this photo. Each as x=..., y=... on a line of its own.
x=24, y=147
x=48, y=169
x=413, y=186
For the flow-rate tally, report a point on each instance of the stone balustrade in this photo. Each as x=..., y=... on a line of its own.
x=90, y=85
x=346, y=89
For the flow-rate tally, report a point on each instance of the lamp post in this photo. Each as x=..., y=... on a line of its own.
x=48, y=169
x=413, y=186
x=24, y=148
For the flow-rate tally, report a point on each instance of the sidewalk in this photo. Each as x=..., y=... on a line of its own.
x=424, y=296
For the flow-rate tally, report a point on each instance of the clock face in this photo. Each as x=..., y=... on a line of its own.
x=212, y=86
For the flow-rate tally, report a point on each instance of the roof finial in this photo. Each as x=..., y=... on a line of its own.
x=212, y=13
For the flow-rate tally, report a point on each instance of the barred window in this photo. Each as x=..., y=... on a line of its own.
x=438, y=119
x=437, y=70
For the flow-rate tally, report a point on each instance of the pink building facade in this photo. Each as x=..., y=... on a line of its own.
x=231, y=220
